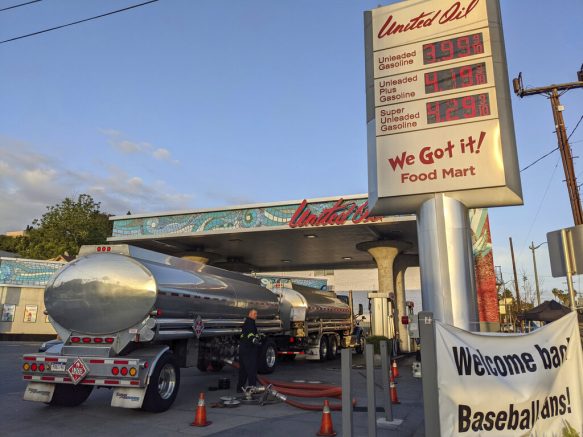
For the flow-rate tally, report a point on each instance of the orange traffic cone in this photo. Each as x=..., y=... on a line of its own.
x=200, y=417
x=395, y=369
x=326, y=428
x=392, y=378
x=394, y=397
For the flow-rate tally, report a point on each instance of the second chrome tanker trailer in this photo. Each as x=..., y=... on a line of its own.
x=130, y=318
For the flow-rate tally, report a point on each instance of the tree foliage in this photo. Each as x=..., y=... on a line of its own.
x=11, y=244
x=562, y=296
x=65, y=227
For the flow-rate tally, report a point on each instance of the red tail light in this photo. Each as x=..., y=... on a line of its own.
x=99, y=249
x=75, y=339
x=114, y=371
x=109, y=340
x=86, y=340
x=33, y=367
x=98, y=340
x=292, y=340
x=124, y=371
x=41, y=367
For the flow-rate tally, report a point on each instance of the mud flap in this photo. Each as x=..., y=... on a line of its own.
x=39, y=392
x=128, y=397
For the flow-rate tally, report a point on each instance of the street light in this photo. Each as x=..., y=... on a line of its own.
x=533, y=248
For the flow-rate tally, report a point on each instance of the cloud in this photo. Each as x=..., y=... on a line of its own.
x=161, y=154
x=127, y=147
x=30, y=181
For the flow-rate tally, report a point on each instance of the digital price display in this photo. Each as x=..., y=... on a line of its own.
x=456, y=77
x=454, y=48
x=459, y=108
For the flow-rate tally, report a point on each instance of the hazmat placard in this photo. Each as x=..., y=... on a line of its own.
x=511, y=385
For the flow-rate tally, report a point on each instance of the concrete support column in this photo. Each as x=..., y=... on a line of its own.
x=402, y=262
x=384, y=253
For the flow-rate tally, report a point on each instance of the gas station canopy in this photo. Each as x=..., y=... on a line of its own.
x=295, y=235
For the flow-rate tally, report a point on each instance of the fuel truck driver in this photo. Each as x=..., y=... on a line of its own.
x=250, y=340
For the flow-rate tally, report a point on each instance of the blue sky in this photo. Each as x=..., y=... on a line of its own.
x=189, y=104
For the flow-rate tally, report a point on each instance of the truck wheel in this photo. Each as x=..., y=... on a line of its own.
x=70, y=395
x=332, y=347
x=163, y=386
x=323, y=348
x=267, y=357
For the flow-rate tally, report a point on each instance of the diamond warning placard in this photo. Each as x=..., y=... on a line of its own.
x=78, y=370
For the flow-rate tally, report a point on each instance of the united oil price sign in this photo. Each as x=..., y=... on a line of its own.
x=438, y=106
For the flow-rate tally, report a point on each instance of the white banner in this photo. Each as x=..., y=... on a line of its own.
x=511, y=385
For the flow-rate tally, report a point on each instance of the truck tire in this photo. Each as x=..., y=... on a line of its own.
x=163, y=386
x=267, y=358
x=324, y=348
x=332, y=347
x=70, y=395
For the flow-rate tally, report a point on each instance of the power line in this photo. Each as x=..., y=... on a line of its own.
x=539, y=159
x=546, y=189
x=542, y=200
x=77, y=22
x=575, y=128
x=21, y=4
x=555, y=149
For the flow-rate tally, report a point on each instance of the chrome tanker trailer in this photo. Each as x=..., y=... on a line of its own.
x=130, y=318
x=316, y=323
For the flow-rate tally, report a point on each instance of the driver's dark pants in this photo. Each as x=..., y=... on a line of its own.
x=247, y=365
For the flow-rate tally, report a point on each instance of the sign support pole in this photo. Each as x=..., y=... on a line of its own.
x=448, y=285
x=429, y=369
x=388, y=421
x=346, y=367
x=370, y=391
x=567, y=253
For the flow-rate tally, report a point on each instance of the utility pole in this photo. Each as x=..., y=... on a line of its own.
x=515, y=277
x=552, y=92
x=533, y=248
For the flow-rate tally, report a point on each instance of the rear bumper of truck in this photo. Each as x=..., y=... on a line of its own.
x=128, y=376
x=107, y=372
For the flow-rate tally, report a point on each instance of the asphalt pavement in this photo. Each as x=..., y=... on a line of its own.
x=97, y=417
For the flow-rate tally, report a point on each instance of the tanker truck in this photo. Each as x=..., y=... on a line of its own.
x=130, y=319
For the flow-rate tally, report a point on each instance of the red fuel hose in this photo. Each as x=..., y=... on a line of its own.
x=301, y=385
x=303, y=390
x=312, y=407
x=334, y=393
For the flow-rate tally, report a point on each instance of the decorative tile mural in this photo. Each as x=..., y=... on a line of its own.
x=236, y=219
x=26, y=272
